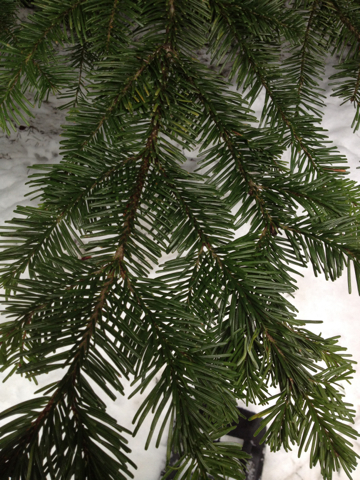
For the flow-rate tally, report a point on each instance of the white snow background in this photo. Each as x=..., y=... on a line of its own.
x=316, y=298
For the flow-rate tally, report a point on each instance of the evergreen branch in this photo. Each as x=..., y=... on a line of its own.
x=110, y=26
x=203, y=237
x=80, y=84
x=44, y=305
x=7, y=21
x=214, y=326
x=306, y=41
x=145, y=64
x=343, y=245
x=111, y=21
x=29, y=434
x=149, y=153
x=264, y=77
x=227, y=136
x=346, y=20
x=175, y=352
x=188, y=398
x=133, y=204
x=80, y=59
x=129, y=215
x=66, y=389
x=284, y=116
x=349, y=90
x=323, y=435
x=49, y=219
x=27, y=52
x=118, y=257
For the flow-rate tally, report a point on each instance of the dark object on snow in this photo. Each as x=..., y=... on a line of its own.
x=244, y=430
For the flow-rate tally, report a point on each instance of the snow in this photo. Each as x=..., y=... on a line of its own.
x=315, y=299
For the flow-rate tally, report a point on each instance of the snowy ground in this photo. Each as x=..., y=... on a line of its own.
x=315, y=299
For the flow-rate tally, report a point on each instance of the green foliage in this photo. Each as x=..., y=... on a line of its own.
x=214, y=325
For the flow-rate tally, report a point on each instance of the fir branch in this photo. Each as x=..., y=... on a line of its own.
x=145, y=64
x=306, y=42
x=227, y=136
x=111, y=21
x=81, y=63
x=215, y=319
x=267, y=79
x=346, y=20
x=284, y=116
x=15, y=453
x=50, y=222
x=32, y=50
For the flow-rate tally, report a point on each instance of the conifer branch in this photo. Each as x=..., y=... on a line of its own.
x=305, y=42
x=146, y=63
x=214, y=325
x=32, y=50
x=260, y=72
x=346, y=20
x=53, y=220
x=111, y=26
x=81, y=74
x=284, y=116
x=226, y=135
